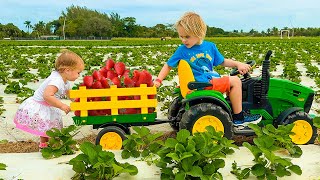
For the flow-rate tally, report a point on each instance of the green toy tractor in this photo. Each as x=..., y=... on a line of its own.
x=279, y=101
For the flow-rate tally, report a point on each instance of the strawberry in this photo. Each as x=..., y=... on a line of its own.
x=142, y=79
x=131, y=111
x=111, y=74
x=104, y=72
x=151, y=96
x=97, y=85
x=77, y=113
x=104, y=83
x=119, y=67
x=148, y=77
x=136, y=97
x=88, y=81
x=96, y=75
x=126, y=73
x=97, y=99
x=150, y=84
x=136, y=74
x=93, y=113
x=109, y=64
x=151, y=110
x=116, y=81
x=128, y=82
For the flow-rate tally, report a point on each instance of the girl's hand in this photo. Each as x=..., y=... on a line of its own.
x=243, y=68
x=65, y=108
x=156, y=84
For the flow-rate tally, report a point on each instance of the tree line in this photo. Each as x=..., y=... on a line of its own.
x=78, y=21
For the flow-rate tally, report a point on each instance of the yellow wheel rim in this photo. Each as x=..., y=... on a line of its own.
x=201, y=124
x=111, y=141
x=303, y=132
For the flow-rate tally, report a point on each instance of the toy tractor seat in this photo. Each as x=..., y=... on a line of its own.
x=186, y=79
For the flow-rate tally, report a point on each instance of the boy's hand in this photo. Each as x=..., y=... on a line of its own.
x=243, y=68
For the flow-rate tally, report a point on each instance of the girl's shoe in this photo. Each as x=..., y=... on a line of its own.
x=43, y=145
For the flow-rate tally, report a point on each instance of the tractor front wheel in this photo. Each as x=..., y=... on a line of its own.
x=199, y=116
x=305, y=132
x=111, y=138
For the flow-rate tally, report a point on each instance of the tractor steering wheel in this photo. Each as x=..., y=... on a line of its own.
x=235, y=71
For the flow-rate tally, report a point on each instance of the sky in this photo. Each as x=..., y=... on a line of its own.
x=226, y=14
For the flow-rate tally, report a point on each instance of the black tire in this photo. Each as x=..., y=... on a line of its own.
x=173, y=112
x=221, y=118
x=111, y=138
x=306, y=133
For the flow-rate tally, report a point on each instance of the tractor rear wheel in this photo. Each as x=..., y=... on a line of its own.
x=173, y=112
x=199, y=116
x=305, y=132
x=111, y=138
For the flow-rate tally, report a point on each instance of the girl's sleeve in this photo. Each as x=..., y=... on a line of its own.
x=56, y=82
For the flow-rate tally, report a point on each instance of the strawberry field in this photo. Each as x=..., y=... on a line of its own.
x=127, y=63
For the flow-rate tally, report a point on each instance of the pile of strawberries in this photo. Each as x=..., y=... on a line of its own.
x=116, y=73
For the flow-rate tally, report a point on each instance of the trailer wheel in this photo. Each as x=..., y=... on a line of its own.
x=199, y=116
x=111, y=138
x=173, y=112
x=305, y=132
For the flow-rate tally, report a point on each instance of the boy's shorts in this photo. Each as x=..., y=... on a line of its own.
x=220, y=84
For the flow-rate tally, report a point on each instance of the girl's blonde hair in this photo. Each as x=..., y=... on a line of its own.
x=193, y=24
x=67, y=59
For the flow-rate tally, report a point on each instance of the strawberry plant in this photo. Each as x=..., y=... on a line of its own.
x=2, y=166
x=94, y=163
x=60, y=142
x=1, y=105
x=316, y=123
x=194, y=157
x=141, y=143
x=268, y=164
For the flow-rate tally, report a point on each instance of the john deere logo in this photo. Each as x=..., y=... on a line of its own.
x=300, y=99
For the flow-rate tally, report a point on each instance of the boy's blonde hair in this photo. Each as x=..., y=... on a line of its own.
x=193, y=24
x=67, y=59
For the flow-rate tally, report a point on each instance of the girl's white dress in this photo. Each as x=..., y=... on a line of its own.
x=35, y=115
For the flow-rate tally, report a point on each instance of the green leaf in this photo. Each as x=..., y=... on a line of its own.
x=196, y=171
x=182, y=135
x=281, y=171
x=191, y=146
x=174, y=156
x=47, y=153
x=2, y=166
x=180, y=148
x=258, y=170
x=296, y=169
x=143, y=131
x=209, y=169
x=125, y=154
x=131, y=169
x=218, y=163
x=171, y=143
x=185, y=155
x=180, y=175
x=245, y=173
x=117, y=169
x=79, y=167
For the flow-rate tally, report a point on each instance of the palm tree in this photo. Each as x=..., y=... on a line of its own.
x=28, y=25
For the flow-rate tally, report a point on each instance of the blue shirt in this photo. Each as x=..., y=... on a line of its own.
x=201, y=58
